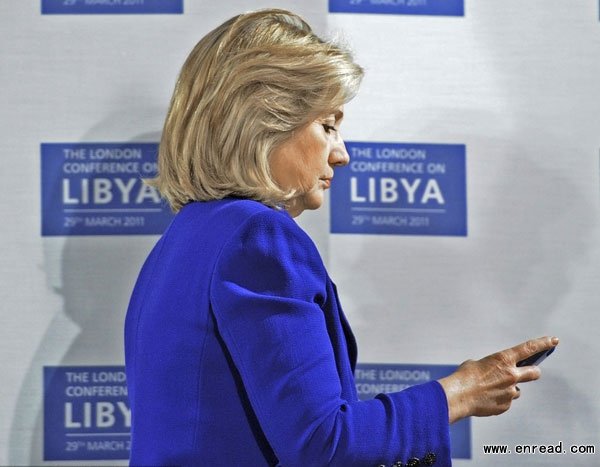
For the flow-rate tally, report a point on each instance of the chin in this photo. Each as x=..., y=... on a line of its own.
x=310, y=201
x=314, y=201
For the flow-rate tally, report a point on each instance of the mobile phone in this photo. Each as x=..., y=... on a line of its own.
x=536, y=358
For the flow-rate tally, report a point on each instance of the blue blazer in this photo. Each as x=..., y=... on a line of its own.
x=238, y=354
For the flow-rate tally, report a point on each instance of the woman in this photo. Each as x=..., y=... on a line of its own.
x=237, y=350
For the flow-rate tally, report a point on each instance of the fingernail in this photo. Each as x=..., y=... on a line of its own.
x=555, y=340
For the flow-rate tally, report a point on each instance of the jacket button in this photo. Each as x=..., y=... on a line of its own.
x=414, y=462
x=429, y=458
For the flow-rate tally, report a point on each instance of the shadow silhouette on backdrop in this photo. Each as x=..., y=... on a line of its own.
x=94, y=275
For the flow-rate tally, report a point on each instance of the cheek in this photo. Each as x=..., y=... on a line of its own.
x=314, y=157
x=307, y=165
x=283, y=166
x=301, y=162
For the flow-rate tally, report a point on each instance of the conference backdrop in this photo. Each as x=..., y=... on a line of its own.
x=466, y=222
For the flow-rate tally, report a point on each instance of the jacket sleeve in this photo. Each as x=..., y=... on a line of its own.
x=266, y=291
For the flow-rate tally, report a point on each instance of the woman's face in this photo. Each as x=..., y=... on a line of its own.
x=305, y=162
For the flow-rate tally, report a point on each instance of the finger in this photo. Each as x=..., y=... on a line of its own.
x=521, y=351
x=525, y=374
x=517, y=393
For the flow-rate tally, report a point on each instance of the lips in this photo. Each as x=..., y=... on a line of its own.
x=326, y=182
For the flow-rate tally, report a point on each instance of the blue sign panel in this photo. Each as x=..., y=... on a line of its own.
x=86, y=413
x=374, y=378
x=97, y=189
x=401, y=188
x=101, y=7
x=400, y=7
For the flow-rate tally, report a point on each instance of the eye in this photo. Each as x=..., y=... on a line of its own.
x=329, y=128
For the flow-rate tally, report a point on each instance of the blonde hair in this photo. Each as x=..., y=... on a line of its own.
x=243, y=90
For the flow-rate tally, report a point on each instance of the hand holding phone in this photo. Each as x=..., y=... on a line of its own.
x=536, y=358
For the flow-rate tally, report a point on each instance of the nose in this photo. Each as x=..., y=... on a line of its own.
x=338, y=156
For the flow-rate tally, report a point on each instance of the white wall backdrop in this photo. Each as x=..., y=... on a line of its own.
x=516, y=83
